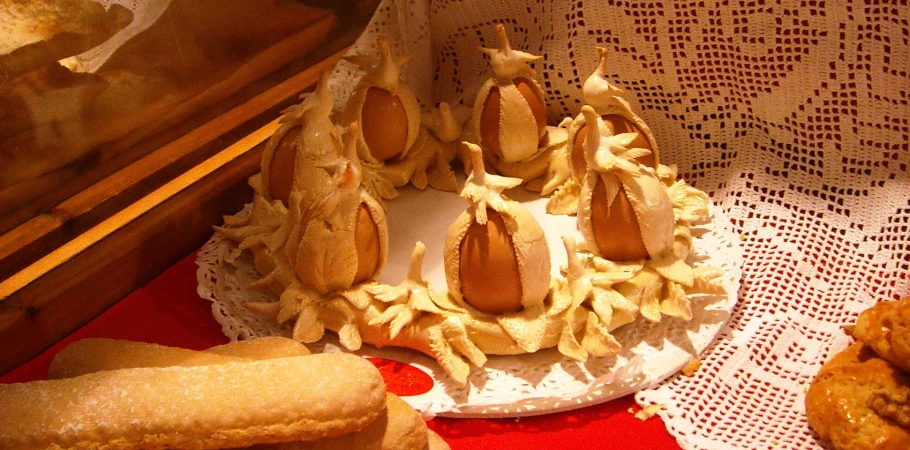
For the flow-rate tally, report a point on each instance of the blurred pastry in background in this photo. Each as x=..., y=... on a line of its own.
x=39, y=32
x=57, y=124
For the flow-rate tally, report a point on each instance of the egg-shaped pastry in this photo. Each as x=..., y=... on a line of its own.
x=624, y=211
x=510, y=115
x=614, y=115
x=496, y=255
x=342, y=238
x=384, y=106
x=293, y=155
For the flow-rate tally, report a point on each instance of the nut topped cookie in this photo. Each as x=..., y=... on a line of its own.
x=854, y=401
x=886, y=328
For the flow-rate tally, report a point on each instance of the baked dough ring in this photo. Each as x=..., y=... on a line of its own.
x=234, y=404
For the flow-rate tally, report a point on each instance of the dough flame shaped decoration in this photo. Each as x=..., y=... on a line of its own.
x=308, y=251
x=614, y=116
x=509, y=122
x=397, y=144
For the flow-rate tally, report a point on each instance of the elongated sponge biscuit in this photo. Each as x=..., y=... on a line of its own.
x=435, y=441
x=96, y=354
x=265, y=347
x=399, y=427
x=224, y=405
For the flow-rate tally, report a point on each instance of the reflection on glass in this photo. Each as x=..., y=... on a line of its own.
x=84, y=83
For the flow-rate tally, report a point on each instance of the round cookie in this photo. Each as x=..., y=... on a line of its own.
x=853, y=401
x=886, y=328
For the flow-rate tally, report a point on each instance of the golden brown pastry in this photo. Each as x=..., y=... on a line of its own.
x=886, y=328
x=65, y=132
x=47, y=95
x=211, y=35
x=261, y=348
x=63, y=116
x=859, y=401
x=215, y=406
x=400, y=427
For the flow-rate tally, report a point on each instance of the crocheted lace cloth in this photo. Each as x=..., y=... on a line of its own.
x=792, y=115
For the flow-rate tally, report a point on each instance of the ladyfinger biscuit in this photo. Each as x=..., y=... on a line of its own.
x=227, y=405
x=400, y=427
x=265, y=347
x=96, y=354
x=435, y=441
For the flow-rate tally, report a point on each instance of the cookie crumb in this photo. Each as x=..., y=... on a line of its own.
x=649, y=411
x=691, y=367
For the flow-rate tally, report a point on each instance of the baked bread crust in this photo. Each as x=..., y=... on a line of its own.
x=96, y=354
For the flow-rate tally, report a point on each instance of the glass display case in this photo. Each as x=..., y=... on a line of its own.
x=127, y=129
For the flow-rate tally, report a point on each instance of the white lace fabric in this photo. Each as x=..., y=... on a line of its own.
x=792, y=115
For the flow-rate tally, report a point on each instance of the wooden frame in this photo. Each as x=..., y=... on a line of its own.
x=45, y=298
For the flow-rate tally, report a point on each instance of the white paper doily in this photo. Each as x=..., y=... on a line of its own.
x=507, y=386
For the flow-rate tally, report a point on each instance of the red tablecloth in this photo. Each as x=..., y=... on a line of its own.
x=169, y=312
